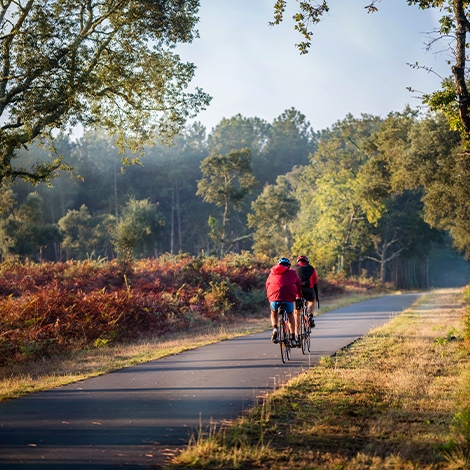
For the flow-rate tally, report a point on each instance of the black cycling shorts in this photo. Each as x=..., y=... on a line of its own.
x=308, y=293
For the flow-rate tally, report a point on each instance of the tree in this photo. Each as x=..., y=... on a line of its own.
x=424, y=155
x=227, y=180
x=108, y=63
x=289, y=141
x=238, y=132
x=146, y=217
x=24, y=233
x=241, y=132
x=333, y=220
x=453, y=99
x=333, y=225
x=137, y=230
x=85, y=235
x=172, y=174
x=77, y=232
x=273, y=210
x=351, y=209
x=401, y=232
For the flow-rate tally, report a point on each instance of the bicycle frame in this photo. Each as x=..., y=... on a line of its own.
x=304, y=328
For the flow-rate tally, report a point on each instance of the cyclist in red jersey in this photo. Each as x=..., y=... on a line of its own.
x=308, y=275
x=283, y=286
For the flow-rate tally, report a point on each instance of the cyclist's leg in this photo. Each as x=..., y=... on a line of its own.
x=311, y=311
x=274, y=320
x=296, y=320
x=290, y=308
x=293, y=325
x=290, y=316
x=310, y=297
x=274, y=315
x=311, y=307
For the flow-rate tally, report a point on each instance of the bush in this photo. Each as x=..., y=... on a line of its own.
x=55, y=308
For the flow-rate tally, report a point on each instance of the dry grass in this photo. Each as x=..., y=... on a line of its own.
x=19, y=380
x=397, y=399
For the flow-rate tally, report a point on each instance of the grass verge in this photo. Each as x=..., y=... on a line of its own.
x=396, y=399
x=19, y=380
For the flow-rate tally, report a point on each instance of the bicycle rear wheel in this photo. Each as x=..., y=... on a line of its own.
x=283, y=341
x=303, y=333
x=288, y=346
x=307, y=335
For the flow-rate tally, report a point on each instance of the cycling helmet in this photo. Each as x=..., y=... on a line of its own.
x=302, y=259
x=284, y=262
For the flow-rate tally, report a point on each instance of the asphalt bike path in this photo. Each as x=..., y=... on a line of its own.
x=134, y=417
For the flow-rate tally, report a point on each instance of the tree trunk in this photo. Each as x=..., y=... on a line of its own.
x=115, y=190
x=286, y=237
x=224, y=228
x=458, y=69
x=178, y=215
x=172, y=219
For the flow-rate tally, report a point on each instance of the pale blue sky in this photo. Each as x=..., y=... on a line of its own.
x=357, y=62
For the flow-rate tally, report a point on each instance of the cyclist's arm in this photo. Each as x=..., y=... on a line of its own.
x=298, y=283
x=314, y=277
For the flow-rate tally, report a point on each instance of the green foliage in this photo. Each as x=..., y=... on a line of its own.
x=108, y=64
x=445, y=101
x=362, y=196
x=275, y=148
x=273, y=210
x=309, y=14
x=238, y=132
x=137, y=230
x=424, y=155
x=360, y=192
x=227, y=180
x=289, y=141
x=84, y=235
x=168, y=176
x=23, y=232
x=332, y=223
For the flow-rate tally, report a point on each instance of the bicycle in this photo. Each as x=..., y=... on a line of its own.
x=283, y=334
x=304, y=328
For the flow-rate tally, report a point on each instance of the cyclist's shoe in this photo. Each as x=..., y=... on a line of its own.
x=294, y=343
x=274, y=337
x=311, y=321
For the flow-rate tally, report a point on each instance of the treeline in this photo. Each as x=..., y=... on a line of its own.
x=368, y=196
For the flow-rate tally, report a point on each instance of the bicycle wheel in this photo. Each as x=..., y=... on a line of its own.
x=307, y=335
x=282, y=338
x=287, y=336
x=282, y=341
x=303, y=333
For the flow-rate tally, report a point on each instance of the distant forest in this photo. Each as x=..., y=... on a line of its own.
x=360, y=198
